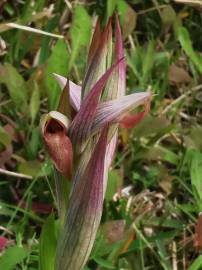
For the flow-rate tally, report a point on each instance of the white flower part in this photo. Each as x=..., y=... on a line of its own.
x=74, y=91
x=61, y=118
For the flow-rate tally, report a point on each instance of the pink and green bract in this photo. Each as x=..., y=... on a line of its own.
x=81, y=138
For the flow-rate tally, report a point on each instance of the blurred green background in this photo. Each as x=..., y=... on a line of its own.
x=151, y=217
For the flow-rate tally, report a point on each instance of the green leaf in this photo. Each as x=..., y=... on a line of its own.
x=15, y=84
x=122, y=8
x=104, y=263
x=111, y=5
x=34, y=103
x=128, y=17
x=34, y=143
x=31, y=167
x=185, y=41
x=168, y=16
x=57, y=63
x=50, y=27
x=197, y=264
x=5, y=138
x=151, y=126
x=30, y=8
x=148, y=63
x=11, y=257
x=196, y=135
x=4, y=210
x=114, y=183
x=47, y=245
x=80, y=32
x=63, y=187
x=196, y=173
x=158, y=152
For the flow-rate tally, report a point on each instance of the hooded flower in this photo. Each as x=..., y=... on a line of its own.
x=81, y=139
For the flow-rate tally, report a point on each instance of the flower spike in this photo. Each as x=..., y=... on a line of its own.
x=81, y=139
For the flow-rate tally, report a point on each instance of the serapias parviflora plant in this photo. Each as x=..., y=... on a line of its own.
x=81, y=138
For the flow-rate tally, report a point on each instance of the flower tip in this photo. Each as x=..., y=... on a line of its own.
x=61, y=80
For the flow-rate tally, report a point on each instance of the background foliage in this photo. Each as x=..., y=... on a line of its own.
x=151, y=217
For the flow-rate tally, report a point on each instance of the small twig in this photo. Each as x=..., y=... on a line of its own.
x=180, y=98
x=69, y=5
x=191, y=2
x=185, y=116
x=7, y=119
x=6, y=230
x=33, y=30
x=174, y=255
x=5, y=102
x=131, y=42
x=142, y=12
x=14, y=174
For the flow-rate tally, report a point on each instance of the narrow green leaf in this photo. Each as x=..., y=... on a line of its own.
x=111, y=5
x=31, y=167
x=196, y=173
x=114, y=183
x=128, y=17
x=34, y=143
x=148, y=63
x=11, y=257
x=5, y=138
x=15, y=84
x=132, y=64
x=168, y=16
x=45, y=49
x=197, y=264
x=104, y=263
x=57, y=63
x=163, y=254
x=34, y=103
x=80, y=32
x=122, y=8
x=47, y=245
x=186, y=43
x=63, y=186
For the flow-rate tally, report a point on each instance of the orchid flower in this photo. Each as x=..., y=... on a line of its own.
x=81, y=138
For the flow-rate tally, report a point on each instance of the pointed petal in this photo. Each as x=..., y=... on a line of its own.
x=54, y=128
x=81, y=125
x=114, y=89
x=112, y=111
x=98, y=64
x=64, y=105
x=84, y=212
x=75, y=91
x=115, y=86
x=61, y=80
x=95, y=42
